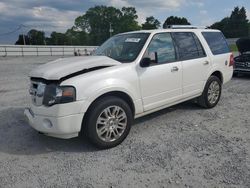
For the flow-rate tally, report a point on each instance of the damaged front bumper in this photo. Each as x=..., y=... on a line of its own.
x=67, y=125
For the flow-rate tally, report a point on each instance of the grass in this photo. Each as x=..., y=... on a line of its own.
x=233, y=48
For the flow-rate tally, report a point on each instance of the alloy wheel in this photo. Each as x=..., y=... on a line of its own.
x=111, y=123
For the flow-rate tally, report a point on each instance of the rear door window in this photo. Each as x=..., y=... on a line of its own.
x=217, y=42
x=188, y=45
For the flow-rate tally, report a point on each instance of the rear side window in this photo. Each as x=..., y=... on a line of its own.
x=217, y=42
x=188, y=45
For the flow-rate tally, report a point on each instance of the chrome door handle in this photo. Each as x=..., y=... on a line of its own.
x=174, y=69
x=206, y=63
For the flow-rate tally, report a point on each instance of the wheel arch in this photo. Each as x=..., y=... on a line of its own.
x=121, y=94
x=218, y=74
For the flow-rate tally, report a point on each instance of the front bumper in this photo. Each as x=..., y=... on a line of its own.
x=242, y=67
x=240, y=70
x=55, y=124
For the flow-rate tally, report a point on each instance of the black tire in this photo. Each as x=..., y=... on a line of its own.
x=95, y=111
x=203, y=100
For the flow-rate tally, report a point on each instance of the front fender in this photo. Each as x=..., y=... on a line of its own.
x=93, y=91
x=93, y=85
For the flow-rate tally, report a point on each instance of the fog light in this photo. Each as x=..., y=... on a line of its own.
x=47, y=123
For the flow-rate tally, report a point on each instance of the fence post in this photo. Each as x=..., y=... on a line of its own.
x=5, y=51
x=22, y=51
x=50, y=50
x=63, y=50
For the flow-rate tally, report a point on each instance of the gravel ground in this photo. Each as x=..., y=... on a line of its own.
x=182, y=146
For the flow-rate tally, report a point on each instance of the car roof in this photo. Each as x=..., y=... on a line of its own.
x=154, y=31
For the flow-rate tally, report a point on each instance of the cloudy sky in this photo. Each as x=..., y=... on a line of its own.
x=59, y=15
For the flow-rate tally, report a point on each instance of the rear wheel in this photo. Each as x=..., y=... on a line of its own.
x=211, y=94
x=108, y=122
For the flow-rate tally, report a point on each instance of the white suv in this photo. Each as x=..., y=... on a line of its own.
x=130, y=75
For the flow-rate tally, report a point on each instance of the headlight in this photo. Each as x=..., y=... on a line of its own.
x=58, y=94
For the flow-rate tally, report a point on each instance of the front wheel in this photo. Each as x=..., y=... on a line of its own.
x=108, y=122
x=211, y=94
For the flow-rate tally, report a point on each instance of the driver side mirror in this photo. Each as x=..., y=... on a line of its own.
x=146, y=61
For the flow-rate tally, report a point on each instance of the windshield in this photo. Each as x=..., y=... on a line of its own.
x=124, y=48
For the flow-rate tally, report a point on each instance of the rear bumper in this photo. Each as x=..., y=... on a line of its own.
x=61, y=127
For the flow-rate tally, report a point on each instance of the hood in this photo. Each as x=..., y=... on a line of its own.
x=243, y=45
x=64, y=67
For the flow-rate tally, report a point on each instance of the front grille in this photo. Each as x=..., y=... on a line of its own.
x=37, y=92
x=243, y=65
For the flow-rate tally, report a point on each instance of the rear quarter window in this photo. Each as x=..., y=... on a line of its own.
x=217, y=42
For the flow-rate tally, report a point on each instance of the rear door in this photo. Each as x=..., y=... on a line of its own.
x=195, y=63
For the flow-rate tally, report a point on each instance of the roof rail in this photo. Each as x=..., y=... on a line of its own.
x=185, y=27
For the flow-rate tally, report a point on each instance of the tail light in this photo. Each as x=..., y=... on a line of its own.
x=231, y=63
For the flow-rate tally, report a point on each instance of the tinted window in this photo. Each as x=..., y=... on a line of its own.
x=162, y=43
x=217, y=42
x=189, y=46
x=200, y=49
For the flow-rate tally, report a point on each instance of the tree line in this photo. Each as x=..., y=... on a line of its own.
x=100, y=22
x=235, y=26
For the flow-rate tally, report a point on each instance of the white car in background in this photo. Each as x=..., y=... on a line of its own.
x=130, y=75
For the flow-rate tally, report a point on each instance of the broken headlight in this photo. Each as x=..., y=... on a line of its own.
x=55, y=94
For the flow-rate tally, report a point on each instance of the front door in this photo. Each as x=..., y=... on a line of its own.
x=161, y=82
